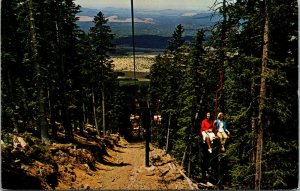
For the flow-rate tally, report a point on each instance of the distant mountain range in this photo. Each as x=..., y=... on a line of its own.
x=150, y=25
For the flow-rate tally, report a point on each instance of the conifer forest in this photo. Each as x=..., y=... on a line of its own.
x=56, y=78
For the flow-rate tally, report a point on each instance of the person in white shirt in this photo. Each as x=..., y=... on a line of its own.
x=221, y=129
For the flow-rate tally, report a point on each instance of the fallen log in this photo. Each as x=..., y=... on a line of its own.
x=171, y=167
x=191, y=184
x=207, y=185
x=164, y=172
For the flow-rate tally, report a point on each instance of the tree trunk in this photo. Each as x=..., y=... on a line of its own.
x=81, y=114
x=189, y=161
x=84, y=113
x=40, y=84
x=253, y=122
x=184, y=155
x=103, y=109
x=262, y=101
x=168, y=133
x=253, y=132
x=52, y=111
x=12, y=103
x=64, y=101
x=94, y=109
x=222, y=60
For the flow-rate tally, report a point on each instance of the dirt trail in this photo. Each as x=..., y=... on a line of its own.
x=123, y=167
x=89, y=164
x=127, y=166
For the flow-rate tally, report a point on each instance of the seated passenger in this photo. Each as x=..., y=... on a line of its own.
x=207, y=131
x=221, y=129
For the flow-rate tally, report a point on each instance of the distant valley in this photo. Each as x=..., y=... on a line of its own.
x=152, y=28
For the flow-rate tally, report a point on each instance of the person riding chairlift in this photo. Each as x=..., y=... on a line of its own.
x=157, y=119
x=207, y=131
x=135, y=121
x=221, y=129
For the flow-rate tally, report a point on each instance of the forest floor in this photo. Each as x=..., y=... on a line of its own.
x=87, y=163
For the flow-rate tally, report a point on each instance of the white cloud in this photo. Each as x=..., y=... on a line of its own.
x=85, y=18
x=189, y=14
x=114, y=19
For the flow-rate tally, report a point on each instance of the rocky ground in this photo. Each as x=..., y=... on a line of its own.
x=87, y=163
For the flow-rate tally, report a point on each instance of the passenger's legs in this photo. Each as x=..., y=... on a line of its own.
x=223, y=136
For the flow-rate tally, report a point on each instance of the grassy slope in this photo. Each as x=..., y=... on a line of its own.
x=125, y=64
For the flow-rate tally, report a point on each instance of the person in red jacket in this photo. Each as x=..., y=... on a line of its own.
x=207, y=131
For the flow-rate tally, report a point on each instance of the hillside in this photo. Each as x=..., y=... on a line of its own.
x=90, y=162
x=153, y=28
x=149, y=22
x=145, y=43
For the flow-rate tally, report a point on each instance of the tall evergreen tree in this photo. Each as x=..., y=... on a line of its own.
x=40, y=81
x=101, y=41
x=262, y=98
x=176, y=41
x=11, y=57
x=192, y=94
x=169, y=68
x=242, y=75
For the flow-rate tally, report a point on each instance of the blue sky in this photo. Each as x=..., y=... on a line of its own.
x=149, y=4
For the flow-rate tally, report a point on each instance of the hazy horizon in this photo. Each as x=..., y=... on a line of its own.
x=196, y=5
x=141, y=9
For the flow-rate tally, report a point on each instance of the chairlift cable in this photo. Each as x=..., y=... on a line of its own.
x=133, y=41
x=219, y=90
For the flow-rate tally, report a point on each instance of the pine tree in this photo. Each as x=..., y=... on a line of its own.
x=262, y=100
x=11, y=57
x=175, y=44
x=166, y=79
x=101, y=40
x=242, y=76
x=39, y=74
